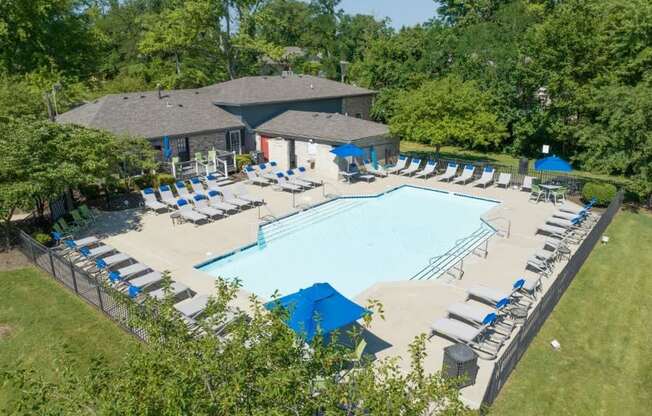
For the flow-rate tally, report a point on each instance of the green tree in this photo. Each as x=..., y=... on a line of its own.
x=260, y=367
x=447, y=111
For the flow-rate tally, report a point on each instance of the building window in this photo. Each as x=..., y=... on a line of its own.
x=183, y=148
x=358, y=115
x=234, y=142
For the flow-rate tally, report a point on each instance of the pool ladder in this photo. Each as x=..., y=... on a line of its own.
x=452, y=262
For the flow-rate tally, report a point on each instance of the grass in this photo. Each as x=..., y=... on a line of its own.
x=604, y=325
x=43, y=323
x=452, y=152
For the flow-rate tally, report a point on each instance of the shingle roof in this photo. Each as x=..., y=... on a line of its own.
x=322, y=126
x=276, y=89
x=144, y=114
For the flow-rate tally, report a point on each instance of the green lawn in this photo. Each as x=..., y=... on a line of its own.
x=452, y=152
x=42, y=322
x=604, y=325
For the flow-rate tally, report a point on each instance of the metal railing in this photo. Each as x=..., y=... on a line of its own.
x=522, y=338
x=508, y=229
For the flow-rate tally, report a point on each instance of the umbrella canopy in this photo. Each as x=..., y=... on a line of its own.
x=318, y=306
x=553, y=163
x=347, y=150
x=167, y=149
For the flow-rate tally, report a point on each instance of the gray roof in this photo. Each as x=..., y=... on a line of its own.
x=277, y=89
x=143, y=114
x=322, y=126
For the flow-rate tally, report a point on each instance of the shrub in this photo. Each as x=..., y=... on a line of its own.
x=165, y=179
x=602, y=192
x=91, y=192
x=144, y=181
x=243, y=160
x=42, y=238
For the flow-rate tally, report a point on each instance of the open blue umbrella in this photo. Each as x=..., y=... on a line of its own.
x=319, y=306
x=553, y=163
x=348, y=150
x=167, y=149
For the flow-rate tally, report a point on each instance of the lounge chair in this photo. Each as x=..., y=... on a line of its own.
x=82, y=242
x=486, y=178
x=150, y=201
x=570, y=225
x=215, y=201
x=91, y=254
x=182, y=190
x=229, y=197
x=266, y=171
x=167, y=197
x=192, y=307
x=527, y=183
x=242, y=193
x=178, y=291
x=283, y=183
x=537, y=193
x=552, y=230
x=202, y=206
x=294, y=179
x=302, y=173
x=105, y=264
x=187, y=213
x=400, y=165
x=412, y=169
x=374, y=171
x=538, y=265
x=576, y=209
x=125, y=273
x=504, y=179
x=479, y=315
x=140, y=284
x=80, y=221
x=211, y=182
x=451, y=169
x=500, y=299
x=253, y=178
x=427, y=171
x=466, y=176
x=476, y=338
x=197, y=186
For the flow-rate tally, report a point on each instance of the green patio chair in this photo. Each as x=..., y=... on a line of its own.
x=78, y=219
x=58, y=229
x=559, y=194
x=67, y=228
x=87, y=213
x=537, y=193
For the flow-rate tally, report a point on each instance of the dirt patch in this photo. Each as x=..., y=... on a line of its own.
x=5, y=331
x=13, y=259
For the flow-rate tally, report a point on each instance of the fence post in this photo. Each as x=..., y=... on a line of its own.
x=74, y=280
x=54, y=273
x=99, y=297
x=72, y=271
x=31, y=249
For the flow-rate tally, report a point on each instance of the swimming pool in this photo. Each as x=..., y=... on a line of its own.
x=354, y=242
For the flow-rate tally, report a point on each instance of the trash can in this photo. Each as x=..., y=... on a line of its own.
x=460, y=361
x=523, y=165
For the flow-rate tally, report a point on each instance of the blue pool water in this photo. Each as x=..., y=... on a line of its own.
x=353, y=243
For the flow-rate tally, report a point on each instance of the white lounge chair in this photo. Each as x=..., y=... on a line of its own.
x=150, y=201
x=177, y=291
x=501, y=299
x=504, y=179
x=413, y=168
x=479, y=315
x=242, y=193
x=427, y=171
x=104, y=264
x=253, y=178
x=215, y=201
x=192, y=307
x=451, y=169
x=486, y=178
x=576, y=209
x=400, y=165
x=182, y=190
x=302, y=173
x=540, y=266
x=294, y=179
x=552, y=230
x=527, y=183
x=126, y=273
x=202, y=206
x=90, y=254
x=466, y=176
x=374, y=171
x=167, y=197
x=82, y=242
x=211, y=182
x=197, y=186
x=187, y=213
x=141, y=284
x=266, y=171
x=283, y=183
x=476, y=338
x=230, y=198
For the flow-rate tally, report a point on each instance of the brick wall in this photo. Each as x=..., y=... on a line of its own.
x=354, y=106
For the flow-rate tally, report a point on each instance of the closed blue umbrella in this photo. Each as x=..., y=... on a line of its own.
x=319, y=306
x=553, y=163
x=167, y=149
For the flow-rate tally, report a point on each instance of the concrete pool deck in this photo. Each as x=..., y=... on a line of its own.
x=410, y=306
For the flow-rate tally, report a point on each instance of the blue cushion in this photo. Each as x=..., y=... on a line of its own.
x=210, y=177
x=182, y=202
x=263, y=166
x=199, y=197
x=213, y=193
x=279, y=174
x=85, y=251
x=302, y=169
x=272, y=163
x=452, y=165
x=164, y=188
x=489, y=319
x=502, y=303
x=290, y=173
x=488, y=169
x=133, y=291
x=101, y=264
x=249, y=168
x=195, y=180
x=519, y=283
x=181, y=184
x=115, y=277
x=148, y=191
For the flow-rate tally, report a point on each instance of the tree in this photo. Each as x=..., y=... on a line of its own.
x=260, y=368
x=447, y=111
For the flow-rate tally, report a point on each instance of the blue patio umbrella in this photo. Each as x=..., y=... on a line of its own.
x=348, y=150
x=553, y=163
x=319, y=306
x=167, y=149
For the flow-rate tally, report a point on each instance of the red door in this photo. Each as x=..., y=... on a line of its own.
x=264, y=147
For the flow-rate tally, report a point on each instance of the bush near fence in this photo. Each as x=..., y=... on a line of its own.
x=511, y=356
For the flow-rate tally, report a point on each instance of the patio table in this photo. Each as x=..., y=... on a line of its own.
x=549, y=189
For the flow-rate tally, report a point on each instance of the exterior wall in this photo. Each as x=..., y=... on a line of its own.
x=323, y=163
x=196, y=143
x=358, y=106
x=255, y=115
x=279, y=151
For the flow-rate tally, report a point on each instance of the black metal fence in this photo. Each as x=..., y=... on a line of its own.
x=79, y=281
x=510, y=357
